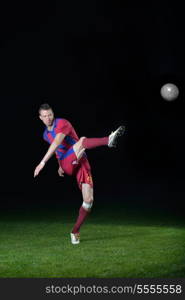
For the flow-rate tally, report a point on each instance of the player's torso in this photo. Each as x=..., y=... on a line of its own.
x=70, y=139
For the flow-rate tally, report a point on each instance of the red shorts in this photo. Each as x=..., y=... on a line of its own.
x=80, y=169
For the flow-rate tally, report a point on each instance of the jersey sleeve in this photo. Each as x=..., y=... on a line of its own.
x=64, y=127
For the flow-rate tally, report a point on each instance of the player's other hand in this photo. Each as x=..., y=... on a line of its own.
x=38, y=169
x=61, y=172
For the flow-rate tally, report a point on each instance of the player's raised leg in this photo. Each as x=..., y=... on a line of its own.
x=78, y=148
x=89, y=143
x=87, y=194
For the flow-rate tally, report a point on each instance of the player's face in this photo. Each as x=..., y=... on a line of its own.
x=47, y=117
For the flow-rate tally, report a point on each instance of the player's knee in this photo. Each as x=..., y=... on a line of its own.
x=88, y=203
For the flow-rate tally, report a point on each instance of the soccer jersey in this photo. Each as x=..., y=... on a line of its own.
x=65, y=152
x=65, y=127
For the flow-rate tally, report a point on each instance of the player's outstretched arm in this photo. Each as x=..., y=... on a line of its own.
x=56, y=142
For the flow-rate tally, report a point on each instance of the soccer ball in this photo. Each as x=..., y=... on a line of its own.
x=169, y=91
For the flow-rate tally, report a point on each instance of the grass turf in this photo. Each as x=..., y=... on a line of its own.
x=115, y=242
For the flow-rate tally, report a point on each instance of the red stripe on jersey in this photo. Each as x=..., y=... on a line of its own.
x=50, y=137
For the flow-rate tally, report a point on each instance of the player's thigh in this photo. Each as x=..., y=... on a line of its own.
x=68, y=164
x=87, y=192
x=78, y=148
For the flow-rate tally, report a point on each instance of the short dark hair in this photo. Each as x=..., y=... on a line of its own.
x=45, y=106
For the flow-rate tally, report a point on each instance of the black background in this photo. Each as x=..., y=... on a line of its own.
x=99, y=64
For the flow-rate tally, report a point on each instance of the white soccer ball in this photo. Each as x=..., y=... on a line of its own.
x=169, y=91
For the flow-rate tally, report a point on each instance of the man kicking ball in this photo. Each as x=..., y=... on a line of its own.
x=72, y=159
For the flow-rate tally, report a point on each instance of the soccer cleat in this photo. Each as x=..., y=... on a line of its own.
x=113, y=137
x=75, y=238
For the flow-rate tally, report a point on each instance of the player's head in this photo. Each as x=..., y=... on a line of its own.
x=46, y=114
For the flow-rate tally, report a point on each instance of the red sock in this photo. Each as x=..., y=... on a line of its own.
x=81, y=218
x=89, y=143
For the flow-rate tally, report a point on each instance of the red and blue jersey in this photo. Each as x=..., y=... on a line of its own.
x=65, y=127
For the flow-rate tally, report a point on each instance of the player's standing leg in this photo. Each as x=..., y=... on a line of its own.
x=87, y=194
x=87, y=190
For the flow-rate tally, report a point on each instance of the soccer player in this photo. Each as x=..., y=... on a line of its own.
x=72, y=159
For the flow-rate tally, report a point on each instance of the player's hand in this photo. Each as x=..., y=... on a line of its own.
x=38, y=169
x=61, y=172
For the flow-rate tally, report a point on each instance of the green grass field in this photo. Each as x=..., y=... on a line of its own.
x=115, y=242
